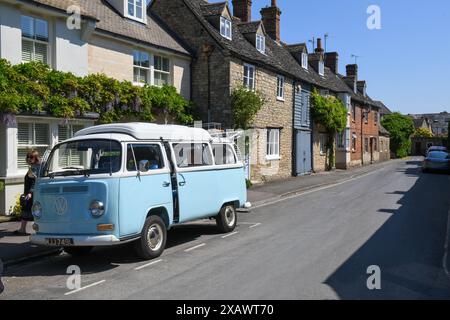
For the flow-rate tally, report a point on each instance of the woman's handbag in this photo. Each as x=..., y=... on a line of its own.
x=25, y=203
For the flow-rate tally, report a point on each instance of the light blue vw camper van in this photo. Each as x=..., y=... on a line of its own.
x=118, y=183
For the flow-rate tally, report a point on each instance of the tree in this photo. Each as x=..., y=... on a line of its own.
x=423, y=133
x=245, y=105
x=331, y=113
x=401, y=128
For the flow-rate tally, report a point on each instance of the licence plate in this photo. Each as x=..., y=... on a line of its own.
x=59, y=241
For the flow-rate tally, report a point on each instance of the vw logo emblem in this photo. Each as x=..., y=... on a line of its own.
x=61, y=206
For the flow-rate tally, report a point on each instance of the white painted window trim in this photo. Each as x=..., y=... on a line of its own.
x=261, y=43
x=34, y=41
x=154, y=70
x=280, y=87
x=227, y=26
x=148, y=70
x=135, y=6
x=248, y=77
x=304, y=60
x=273, y=144
x=321, y=68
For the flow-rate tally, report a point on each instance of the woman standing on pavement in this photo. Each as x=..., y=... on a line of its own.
x=33, y=161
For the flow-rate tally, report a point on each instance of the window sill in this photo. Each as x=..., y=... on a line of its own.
x=140, y=84
x=281, y=99
x=273, y=158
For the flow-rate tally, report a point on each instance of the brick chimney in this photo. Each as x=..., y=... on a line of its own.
x=242, y=9
x=332, y=61
x=362, y=87
x=352, y=71
x=271, y=19
x=319, y=48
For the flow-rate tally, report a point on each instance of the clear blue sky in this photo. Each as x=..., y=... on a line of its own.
x=406, y=63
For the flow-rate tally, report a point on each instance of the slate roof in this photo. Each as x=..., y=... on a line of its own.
x=276, y=57
x=383, y=131
x=296, y=47
x=110, y=21
x=383, y=108
x=213, y=9
x=249, y=27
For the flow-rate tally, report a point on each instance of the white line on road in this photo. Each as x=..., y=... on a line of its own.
x=315, y=190
x=148, y=265
x=255, y=225
x=229, y=235
x=196, y=247
x=83, y=288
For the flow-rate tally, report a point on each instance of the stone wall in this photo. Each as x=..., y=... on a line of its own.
x=275, y=113
x=385, y=148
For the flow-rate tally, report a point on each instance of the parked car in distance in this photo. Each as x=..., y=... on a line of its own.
x=437, y=161
x=436, y=148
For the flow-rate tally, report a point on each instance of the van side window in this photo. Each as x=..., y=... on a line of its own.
x=224, y=154
x=192, y=155
x=149, y=153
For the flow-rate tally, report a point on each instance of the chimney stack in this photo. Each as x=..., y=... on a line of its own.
x=271, y=19
x=319, y=48
x=352, y=71
x=332, y=61
x=242, y=9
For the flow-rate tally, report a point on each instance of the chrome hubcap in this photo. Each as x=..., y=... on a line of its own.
x=230, y=216
x=154, y=237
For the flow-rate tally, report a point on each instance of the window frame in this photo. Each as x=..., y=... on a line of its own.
x=192, y=168
x=261, y=44
x=247, y=77
x=148, y=143
x=32, y=141
x=226, y=146
x=160, y=71
x=273, y=146
x=280, y=87
x=35, y=41
x=323, y=144
x=133, y=15
x=225, y=26
x=321, y=68
x=148, y=69
x=305, y=61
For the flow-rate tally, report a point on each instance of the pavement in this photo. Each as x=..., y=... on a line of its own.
x=315, y=244
x=14, y=249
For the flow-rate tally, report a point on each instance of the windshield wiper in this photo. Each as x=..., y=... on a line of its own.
x=71, y=171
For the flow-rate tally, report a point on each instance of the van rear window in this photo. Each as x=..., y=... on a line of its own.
x=224, y=154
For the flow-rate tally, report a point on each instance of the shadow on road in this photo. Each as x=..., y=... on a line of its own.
x=409, y=247
x=109, y=258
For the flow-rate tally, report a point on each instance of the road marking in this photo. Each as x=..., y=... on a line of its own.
x=316, y=190
x=229, y=235
x=196, y=247
x=148, y=265
x=254, y=226
x=83, y=288
x=246, y=223
x=446, y=246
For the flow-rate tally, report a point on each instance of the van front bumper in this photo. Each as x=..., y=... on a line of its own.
x=78, y=241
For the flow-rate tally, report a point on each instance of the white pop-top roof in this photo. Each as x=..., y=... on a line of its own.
x=149, y=131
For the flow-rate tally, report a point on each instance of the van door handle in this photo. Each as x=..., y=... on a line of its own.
x=182, y=183
x=166, y=184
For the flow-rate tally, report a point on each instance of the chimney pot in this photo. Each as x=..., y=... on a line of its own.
x=319, y=48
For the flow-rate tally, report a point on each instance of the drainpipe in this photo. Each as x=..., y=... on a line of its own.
x=208, y=49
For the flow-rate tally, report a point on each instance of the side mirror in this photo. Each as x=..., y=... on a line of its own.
x=144, y=166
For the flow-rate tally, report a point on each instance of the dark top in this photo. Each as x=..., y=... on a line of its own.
x=30, y=181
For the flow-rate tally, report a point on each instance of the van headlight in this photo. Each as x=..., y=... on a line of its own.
x=97, y=208
x=36, y=210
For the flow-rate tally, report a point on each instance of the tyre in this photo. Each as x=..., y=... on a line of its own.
x=78, y=251
x=153, y=239
x=227, y=218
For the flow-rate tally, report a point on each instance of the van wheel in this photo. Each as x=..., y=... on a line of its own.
x=227, y=218
x=78, y=251
x=153, y=239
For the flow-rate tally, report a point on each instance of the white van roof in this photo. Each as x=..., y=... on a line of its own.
x=149, y=131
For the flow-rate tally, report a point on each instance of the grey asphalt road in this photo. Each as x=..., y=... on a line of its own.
x=318, y=245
